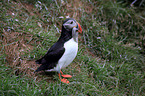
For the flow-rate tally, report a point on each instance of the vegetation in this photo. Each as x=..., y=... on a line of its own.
x=111, y=57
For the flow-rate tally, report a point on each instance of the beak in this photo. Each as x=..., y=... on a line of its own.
x=79, y=28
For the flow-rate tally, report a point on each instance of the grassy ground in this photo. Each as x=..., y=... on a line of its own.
x=111, y=57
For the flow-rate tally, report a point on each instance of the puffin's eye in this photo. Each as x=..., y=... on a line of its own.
x=71, y=22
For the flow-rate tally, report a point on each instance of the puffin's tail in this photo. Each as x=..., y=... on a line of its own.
x=39, y=69
x=42, y=67
x=38, y=61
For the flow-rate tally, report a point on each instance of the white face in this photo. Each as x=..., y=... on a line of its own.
x=70, y=24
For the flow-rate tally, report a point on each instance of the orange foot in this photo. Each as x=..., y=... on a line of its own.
x=64, y=81
x=66, y=76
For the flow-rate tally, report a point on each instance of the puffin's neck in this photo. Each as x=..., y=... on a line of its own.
x=75, y=34
x=65, y=35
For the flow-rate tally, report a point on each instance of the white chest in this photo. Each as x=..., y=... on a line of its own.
x=71, y=48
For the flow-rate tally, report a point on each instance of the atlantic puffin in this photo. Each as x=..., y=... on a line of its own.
x=63, y=52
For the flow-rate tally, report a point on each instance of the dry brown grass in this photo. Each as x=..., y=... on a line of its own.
x=75, y=8
x=15, y=47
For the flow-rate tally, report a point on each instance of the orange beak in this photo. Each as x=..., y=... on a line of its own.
x=80, y=28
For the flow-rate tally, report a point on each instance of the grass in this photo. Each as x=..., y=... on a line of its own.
x=110, y=59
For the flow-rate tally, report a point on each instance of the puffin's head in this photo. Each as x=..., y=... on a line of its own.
x=70, y=23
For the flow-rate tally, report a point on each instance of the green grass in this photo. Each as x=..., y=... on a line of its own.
x=110, y=59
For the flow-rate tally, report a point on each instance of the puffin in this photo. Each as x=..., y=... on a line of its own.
x=63, y=52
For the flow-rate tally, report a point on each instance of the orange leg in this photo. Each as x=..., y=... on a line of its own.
x=66, y=76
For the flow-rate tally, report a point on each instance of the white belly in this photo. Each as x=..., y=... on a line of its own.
x=71, y=48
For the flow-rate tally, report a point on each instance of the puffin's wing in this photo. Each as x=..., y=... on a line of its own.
x=51, y=58
x=53, y=54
